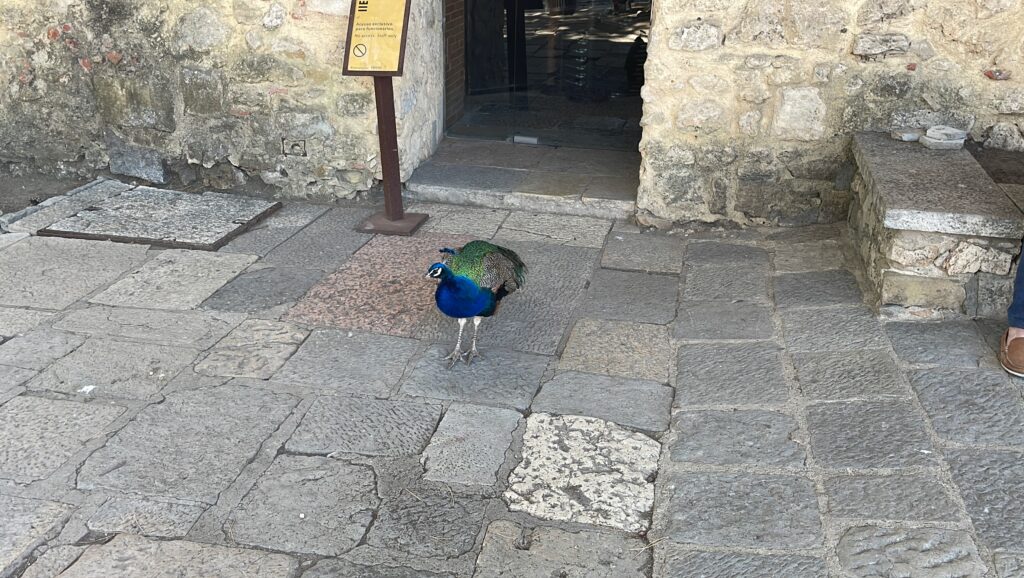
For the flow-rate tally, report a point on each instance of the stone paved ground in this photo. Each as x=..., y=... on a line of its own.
x=717, y=403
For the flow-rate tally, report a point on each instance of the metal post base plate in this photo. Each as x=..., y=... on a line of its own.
x=380, y=224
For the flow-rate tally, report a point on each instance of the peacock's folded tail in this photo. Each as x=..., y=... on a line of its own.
x=488, y=265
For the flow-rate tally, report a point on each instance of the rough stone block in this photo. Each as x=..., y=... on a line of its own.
x=191, y=446
x=196, y=329
x=890, y=498
x=556, y=229
x=257, y=348
x=312, y=505
x=874, y=45
x=554, y=552
x=733, y=282
x=132, y=160
x=128, y=555
x=738, y=510
x=817, y=289
x=800, y=115
x=54, y=273
x=813, y=256
x=584, y=470
x=629, y=296
x=671, y=560
x=917, y=291
x=848, y=375
x=39, y=435
x=722, y=320
x=38, y=349
x=145, y=517
x=736, y=437
x=753, y=375
x=991, y=483
x=365, y=426
x=714, y=253
x=849, y=328
x=364, y=363
x=936, y=144
x=26, y=523
x=948, y=343
x=470, y=445
x=877, y=551
x=647, y=252
x=942, y=132
x=971, y=406
x=634, y=350
x=631, y=403
x=428, y=521
x=696, y=36
x=868, y=434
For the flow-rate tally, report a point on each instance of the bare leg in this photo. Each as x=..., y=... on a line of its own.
x=457, y=354
x=473, y=353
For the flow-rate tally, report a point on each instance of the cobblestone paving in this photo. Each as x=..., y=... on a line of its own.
x=704, y=403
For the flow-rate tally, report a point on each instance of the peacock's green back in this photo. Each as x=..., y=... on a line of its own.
x=488, y=265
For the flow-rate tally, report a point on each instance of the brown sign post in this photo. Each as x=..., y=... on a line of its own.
x=375, y=46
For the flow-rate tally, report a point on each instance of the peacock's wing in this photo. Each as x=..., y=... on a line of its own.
x=489, y=265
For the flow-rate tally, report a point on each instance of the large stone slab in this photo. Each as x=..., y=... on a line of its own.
x=672, y=561
x=262, y=289
x=735, y=437
x=556, y=229
x=312, y=505
x=630, y=296
x=648, y=252
x=479, y=223
x=145, y=517
x=335, y=567
x=362, y=363
x=7, y=239
x=106, y=367
x=128, y=555
x=428, y=521
x=512, y=550
x=470, y=445
x=586, y=470
x=848, y=374
x=164, y=218
x=38, y=349
x=817, y=289
x=869, y=434
x=17, y=321
x=848, y=328
x=738, y=510
x=39, y=435
x=992, y=484
x=712, y=320
x=187, y=328
x=11, y=377
x=938, y=191
x=53, y=561
x=175, y=279
x=751, y=374
x=634, y=350
x=191, y=446
x=971, y=406
x=632, y=403
x=257, y=348
x=54, y=273
x=57, y=208
x=501, y=377
x=264, y=236
x=24, y=525
x=902, y=497
x=876, y=551
x=728, y=282
x=810, y=256
x=365, y=426
x=325, y=243
x=716, y=253
x=948, y=343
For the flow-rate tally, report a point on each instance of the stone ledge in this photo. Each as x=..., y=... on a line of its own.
x=934, y=191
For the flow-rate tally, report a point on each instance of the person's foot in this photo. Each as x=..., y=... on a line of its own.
x=1011, y=351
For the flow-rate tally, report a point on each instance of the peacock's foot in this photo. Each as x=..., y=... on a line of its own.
x=454, y=357
x=472, y=354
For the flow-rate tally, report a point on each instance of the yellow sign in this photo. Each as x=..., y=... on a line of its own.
x=376, y=37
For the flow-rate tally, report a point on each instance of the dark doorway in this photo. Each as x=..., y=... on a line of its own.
x=550, y=72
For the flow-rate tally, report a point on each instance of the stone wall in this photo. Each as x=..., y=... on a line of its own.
x=222, y=90
x=749, y=105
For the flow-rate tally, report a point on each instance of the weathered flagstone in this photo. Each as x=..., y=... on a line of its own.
x=8, y=239
x=336, y=567
x=648, y=252
x=260, y=289
x=68, y=204
x=817, y=289
x=848, y=328
x=715, y=253
x=848, y=374
x=890, y=498
x=145, y=517
x=585, y=470
x=811, y=256
x=512, y=550
x=633, y=403
x=106, y=367
x=736, y=437
x=869, y=434
x=257, y=348
x=876, y=551
x=166, y=218
x=189, y=447
x=470, y=445
x=365, y=426
x=479, y=223
x=428, y=521
x=723, y=320
x=674, y=561
x=992, y=484
x=128, y=555
x=25, y=524
x=198, y=329
x=11, y=377
x=1009, y=565
x=630, y=296
x=752, y=376
x=53, y=561
x=54, y=273
x=38, y=349
x=325, y=243
x=362, y=363
x=274, y=230
x=738, y=510
x=38, y=435
x=305, y=504
x=556, y=229
x=175, y=279
x=947, y=343
x=17, y=321
x=620, y=348
x=501, y=377
x=971, y=406
x=728, y=282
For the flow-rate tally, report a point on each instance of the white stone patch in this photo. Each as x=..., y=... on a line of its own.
x=584, y=470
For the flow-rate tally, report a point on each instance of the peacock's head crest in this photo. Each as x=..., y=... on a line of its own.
x=438, y=271
x=449, y=251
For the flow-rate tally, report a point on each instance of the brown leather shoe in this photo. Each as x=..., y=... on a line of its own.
x=1011, y=355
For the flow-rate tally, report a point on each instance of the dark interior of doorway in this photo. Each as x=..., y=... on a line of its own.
x=550, y=72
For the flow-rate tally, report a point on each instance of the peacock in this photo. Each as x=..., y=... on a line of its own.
x=473, y=280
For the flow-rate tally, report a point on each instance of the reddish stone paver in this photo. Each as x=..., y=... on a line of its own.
x=380, y=289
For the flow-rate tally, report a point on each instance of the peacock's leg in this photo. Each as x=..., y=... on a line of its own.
x=473, y=352
x=457, y=354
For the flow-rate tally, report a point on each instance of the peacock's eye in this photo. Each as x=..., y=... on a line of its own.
x=435, y=272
